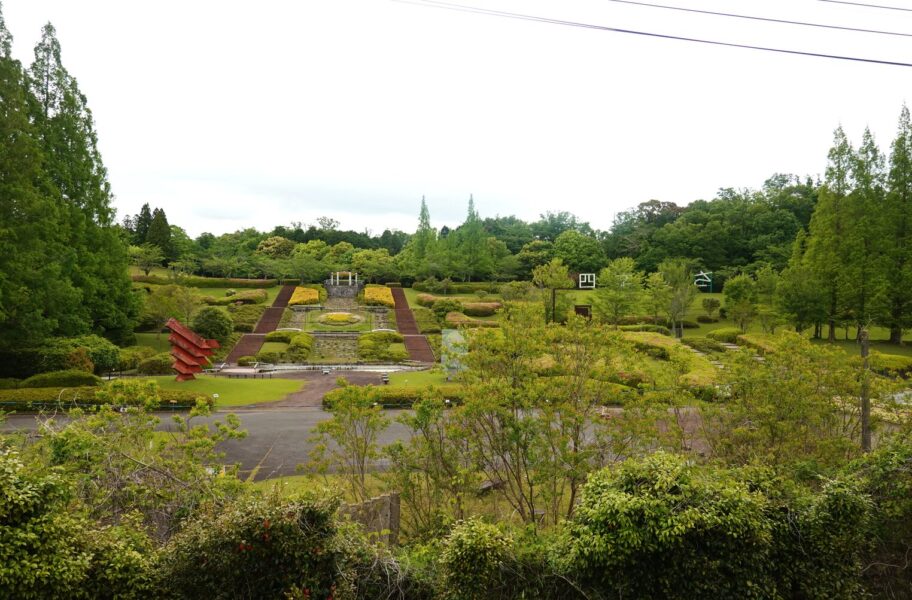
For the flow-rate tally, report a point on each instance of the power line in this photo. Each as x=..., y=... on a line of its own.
x=523, y=17
x=765, y=19
x=868, y=5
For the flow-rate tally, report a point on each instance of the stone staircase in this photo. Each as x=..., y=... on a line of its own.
x=416, y=344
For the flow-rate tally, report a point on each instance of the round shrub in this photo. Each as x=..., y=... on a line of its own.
x=280, y=336
x=444, y=306
x=480, y=309
x=246, y=361
x=66, y=378
x=473, y=562
x=300, y=347
x=214, y=323
x=729, y=335
x=8, y=383
x=131, y=356
x=160, y=364
x=79, y=360
x=268, y=357
x=265, y=547
x=338, y=318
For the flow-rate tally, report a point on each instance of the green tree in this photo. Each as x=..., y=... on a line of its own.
x=897, y=239
x=552, y=277
x=741, y=299
x=677, y=274
x=213, y=323
x=657, y=295
x=620, y=289
x=276, y=247
x=581, y=253
x=470, y=253
x=825, y=253
x=146, y=257
x=67, y=132
x=141, y=225
x=798, y=295
x=160, y=233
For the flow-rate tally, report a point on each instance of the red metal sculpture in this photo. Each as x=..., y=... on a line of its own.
x=190, y=351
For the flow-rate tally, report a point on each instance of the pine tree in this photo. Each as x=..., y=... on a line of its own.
x=98, y=266
x=36, y=297
x=141, y=225
x=898, y=239
x=160, y=233
x=424, y=236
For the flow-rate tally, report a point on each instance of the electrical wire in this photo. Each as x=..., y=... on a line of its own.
x=524, y=17
x=764, y=19
x=880, y=6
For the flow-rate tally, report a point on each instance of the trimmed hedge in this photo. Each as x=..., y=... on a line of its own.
x=729, y=335
x=707, y=319
x=377, y=346
x=268, y=357
x=300, y=347
x=378, y=295
x=256, y=296
x=457, y=319
x=160, y=364
x=280, y=336
x=403, y=397
x=206, y=282
x=480, y=309
x=426, y=300
x=703, y=344
x=892, y=365
x=67, y=397
x=646, y=327
x=246, y=361
x=62, y=379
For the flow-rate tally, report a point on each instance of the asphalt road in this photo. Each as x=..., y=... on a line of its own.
x=277, y=438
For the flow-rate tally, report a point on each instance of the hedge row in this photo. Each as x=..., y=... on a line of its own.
x=379, y=346
x=646, y=327
x=426, y=320
x=728, y=335
x=46, y=398
x=59, y=354
x=457, y=319
x=207, y=282
x=67, y=378
x=703, y=344
x=256, y=296
x=246, y=316
x=403, y=397
x=445, y=287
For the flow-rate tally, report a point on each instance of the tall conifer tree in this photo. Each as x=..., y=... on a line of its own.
x=36, y=296
x=141, y=225
x=898, y=239
x=98, y=264
x=825, y=253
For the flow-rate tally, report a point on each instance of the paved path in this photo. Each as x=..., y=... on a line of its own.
x=417, y=345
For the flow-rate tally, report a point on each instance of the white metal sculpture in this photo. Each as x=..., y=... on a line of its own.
x=587, y=281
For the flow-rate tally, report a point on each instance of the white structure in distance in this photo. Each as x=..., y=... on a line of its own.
x=587, y=281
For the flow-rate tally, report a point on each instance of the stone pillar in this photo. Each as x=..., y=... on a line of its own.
x=349, y=278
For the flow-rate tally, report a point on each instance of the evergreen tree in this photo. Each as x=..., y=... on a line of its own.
x=825, y=253
x=898, y=236
x=98, y=263
x=141, y=225
x=424, y=237
x=799, y=294
x=35, y=295
x=160, y=233
x=863, y=239
x=472, y=252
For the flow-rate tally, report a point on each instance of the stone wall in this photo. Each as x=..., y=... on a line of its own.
x=379, y=517
x=342, y=291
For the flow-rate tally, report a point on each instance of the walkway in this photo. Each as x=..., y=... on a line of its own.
x=250, y=343
x=417, y=345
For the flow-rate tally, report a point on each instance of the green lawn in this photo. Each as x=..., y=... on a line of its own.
x=153, y=340
x=417, y=378
x=274, y=347
x=234, y=392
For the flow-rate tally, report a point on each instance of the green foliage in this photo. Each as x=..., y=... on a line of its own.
x=160, y=364
x=516, y=290
x=581, y=253
x=209, y=282
x=479, y=309
x=67, y=378
x=741, y=299
x=55, y=398
x=620, y=287
x=729, y=335
x=703, y=344
x=444, y=306
x=474, y=560
x=246, y=316
x=646, y=327
x=661, y=527
x=280, y=336
x=380, y=346
x=710, y=305
x=268, y=357
x=300, y=347
x=426, y=320
x=246, y=361
x=213, y=323
x=403, y=396
x=255, y=548
x=254, y=296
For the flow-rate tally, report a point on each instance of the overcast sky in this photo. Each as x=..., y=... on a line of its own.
x=238, y=114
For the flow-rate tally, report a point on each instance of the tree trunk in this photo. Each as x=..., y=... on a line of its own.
x=865, y=396
x=831, y=333
x=896, y=334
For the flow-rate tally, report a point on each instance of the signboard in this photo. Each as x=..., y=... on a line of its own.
x=703, y=280
x=587, y=281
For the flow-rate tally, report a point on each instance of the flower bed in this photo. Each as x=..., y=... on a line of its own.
x=379, y=295
x=303, y=296
x=338, y=318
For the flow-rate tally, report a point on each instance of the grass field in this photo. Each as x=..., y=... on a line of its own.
x=417, y=378
x=153, y=340
x=234, y=392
